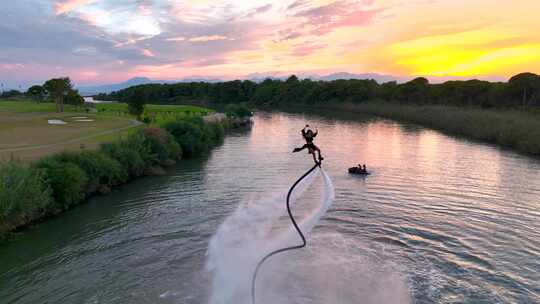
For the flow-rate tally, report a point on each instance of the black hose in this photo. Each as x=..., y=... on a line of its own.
x=254, y=278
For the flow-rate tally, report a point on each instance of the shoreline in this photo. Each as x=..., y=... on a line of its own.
x=44, y=172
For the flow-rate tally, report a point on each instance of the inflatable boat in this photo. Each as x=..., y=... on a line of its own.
x=358, y=171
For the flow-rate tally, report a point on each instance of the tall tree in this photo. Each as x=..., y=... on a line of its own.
x=136, y=102
x=58, y=89
x=526, y=85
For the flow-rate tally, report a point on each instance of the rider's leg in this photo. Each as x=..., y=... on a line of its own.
x=300, y=149
x=315, y=158
x=319, y=151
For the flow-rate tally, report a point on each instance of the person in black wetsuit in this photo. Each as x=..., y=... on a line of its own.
x=309, y=135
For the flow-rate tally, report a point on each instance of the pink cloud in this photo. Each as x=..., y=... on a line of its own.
x=288, y=34
x=307, y=48
x=297, y=4
x=176, y=39
x=325, y=19
x=145, y=10
x=12, y=66
x=196, y=63
x=147, y=53
x=259, y=10
x=130, y=40
x=94, y=17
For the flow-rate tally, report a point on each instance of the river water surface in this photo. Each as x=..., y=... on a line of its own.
x=440, y=220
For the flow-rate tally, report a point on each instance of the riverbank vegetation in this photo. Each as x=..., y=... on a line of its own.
x=56, y=183
x=509, y=128
x=505, y=113
x=52, y=184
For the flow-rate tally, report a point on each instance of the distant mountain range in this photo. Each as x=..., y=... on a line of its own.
x=377, y=77
x=259, y=77
x=108, y=88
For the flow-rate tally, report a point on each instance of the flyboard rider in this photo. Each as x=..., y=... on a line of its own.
x=309, y=135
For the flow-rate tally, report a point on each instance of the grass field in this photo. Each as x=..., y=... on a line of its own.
x=26, y=106
x=152, y=108
x=29, y=135
x=153, y=114
x=26, y=134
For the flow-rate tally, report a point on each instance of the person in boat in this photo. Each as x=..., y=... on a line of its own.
x=359, y=169
x=309, y=135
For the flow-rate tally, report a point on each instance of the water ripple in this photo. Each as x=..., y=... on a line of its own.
x=458, y=220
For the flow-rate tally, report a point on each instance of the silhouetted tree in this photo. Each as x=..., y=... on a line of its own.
x=11, y=93
x=136, y=102
x=525, y=84
x=36, y=92
x=522, y=89
x=73, y=98
x=58, y=89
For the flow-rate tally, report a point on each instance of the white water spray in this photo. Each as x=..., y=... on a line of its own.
x=254, y=230
x=331, y=269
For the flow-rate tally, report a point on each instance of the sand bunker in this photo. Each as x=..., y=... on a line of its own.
x=56, y=122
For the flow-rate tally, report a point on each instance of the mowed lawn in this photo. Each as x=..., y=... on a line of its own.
x=26, y=134
x=26, y=106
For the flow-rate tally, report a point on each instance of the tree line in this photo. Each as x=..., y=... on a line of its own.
x=57, y=90
x=521, y=90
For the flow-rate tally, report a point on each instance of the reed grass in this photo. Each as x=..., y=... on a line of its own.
x=516, y=129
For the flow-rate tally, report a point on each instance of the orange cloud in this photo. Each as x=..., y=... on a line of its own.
x=67, y=6
x=176, y=39
x=198, y=38
x=207, y=38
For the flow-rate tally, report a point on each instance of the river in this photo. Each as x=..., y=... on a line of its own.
x=440, y=220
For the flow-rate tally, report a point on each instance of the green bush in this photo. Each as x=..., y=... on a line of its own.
x=67, y=181
x=137, y=141
x=190, y=135
x=238, y=110
x=24, y=195
x=216, y=132
x=128, y=156
x=162, y=145
x=99, y=168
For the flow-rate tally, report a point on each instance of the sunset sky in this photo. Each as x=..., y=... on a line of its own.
x=103, y=41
